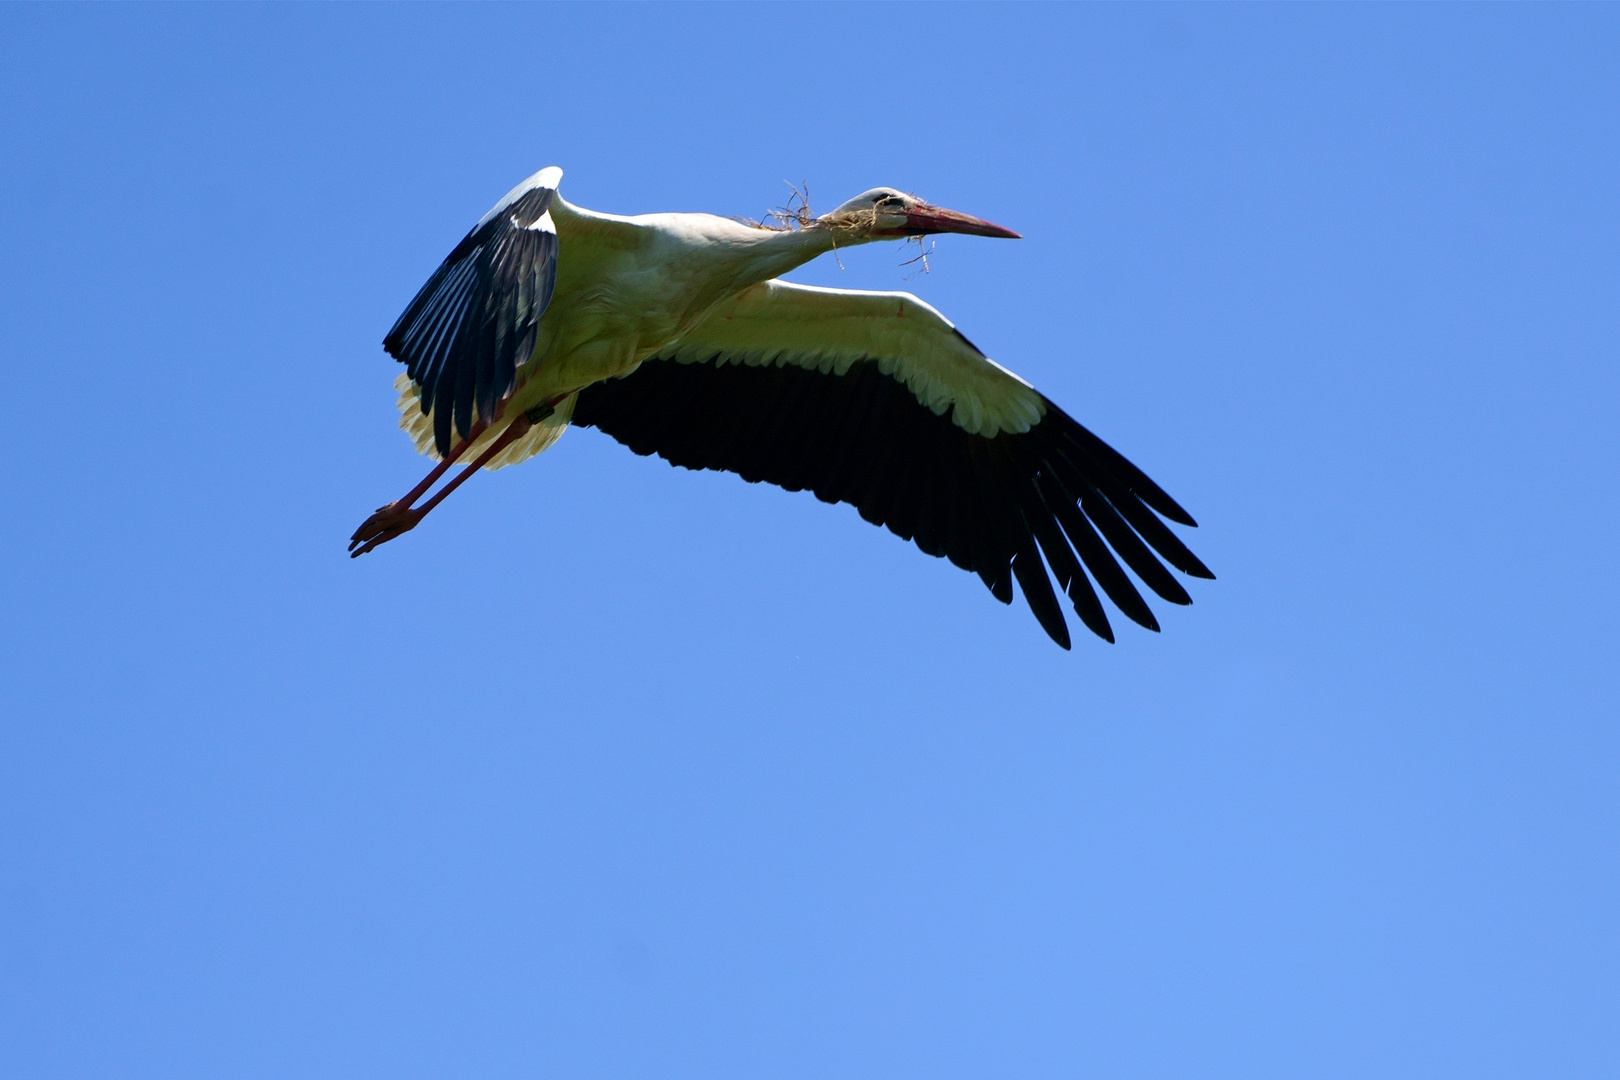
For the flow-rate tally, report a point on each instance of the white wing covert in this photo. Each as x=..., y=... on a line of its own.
x=827, y=330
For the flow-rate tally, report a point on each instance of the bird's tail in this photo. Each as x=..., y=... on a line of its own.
x=419, y=426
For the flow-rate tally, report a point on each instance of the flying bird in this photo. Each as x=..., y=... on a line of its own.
x=675, y=334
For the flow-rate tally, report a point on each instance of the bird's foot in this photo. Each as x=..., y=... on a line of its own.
x=388, y=522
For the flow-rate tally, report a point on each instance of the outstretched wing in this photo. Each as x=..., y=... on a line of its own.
x=472, y=325
x=876, y=400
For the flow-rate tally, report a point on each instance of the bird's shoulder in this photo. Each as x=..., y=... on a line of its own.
x=598, y=229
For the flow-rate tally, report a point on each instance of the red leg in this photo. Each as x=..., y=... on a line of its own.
x=395, y=518
x=438, y=470
x=398, y=518
x=404, y=519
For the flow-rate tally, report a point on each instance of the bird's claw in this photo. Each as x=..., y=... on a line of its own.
x=388, y=522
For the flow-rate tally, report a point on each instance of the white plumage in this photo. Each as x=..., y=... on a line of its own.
x=674, y=334
x=827, y=330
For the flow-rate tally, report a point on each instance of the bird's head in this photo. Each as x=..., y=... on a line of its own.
x=884, y=214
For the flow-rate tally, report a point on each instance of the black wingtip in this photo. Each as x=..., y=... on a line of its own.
x=1180, y=517
x=1058, y=632
x=1031, y=574
x=1178, y=595
x=999, y=582
x=1113, y=461
x=1089, y=608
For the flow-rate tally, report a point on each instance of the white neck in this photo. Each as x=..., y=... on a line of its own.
x=706, y=257
x=772, y=254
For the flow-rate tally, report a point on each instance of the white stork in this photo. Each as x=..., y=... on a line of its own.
x=674, y=334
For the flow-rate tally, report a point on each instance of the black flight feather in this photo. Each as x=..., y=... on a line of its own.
x=469, y=329
x=992, y=505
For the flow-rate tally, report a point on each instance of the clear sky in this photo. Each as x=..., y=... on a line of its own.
x=611, y=770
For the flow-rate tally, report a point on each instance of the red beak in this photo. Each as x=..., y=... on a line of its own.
x=923, y=219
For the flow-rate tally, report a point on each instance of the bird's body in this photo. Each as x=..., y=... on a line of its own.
x=628, y=287
x=673, y=333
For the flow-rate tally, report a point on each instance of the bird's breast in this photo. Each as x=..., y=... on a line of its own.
x=614, y=308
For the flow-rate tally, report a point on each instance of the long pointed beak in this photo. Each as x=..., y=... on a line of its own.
x=922, y=219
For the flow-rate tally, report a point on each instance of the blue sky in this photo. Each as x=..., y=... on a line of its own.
x=612, y=770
